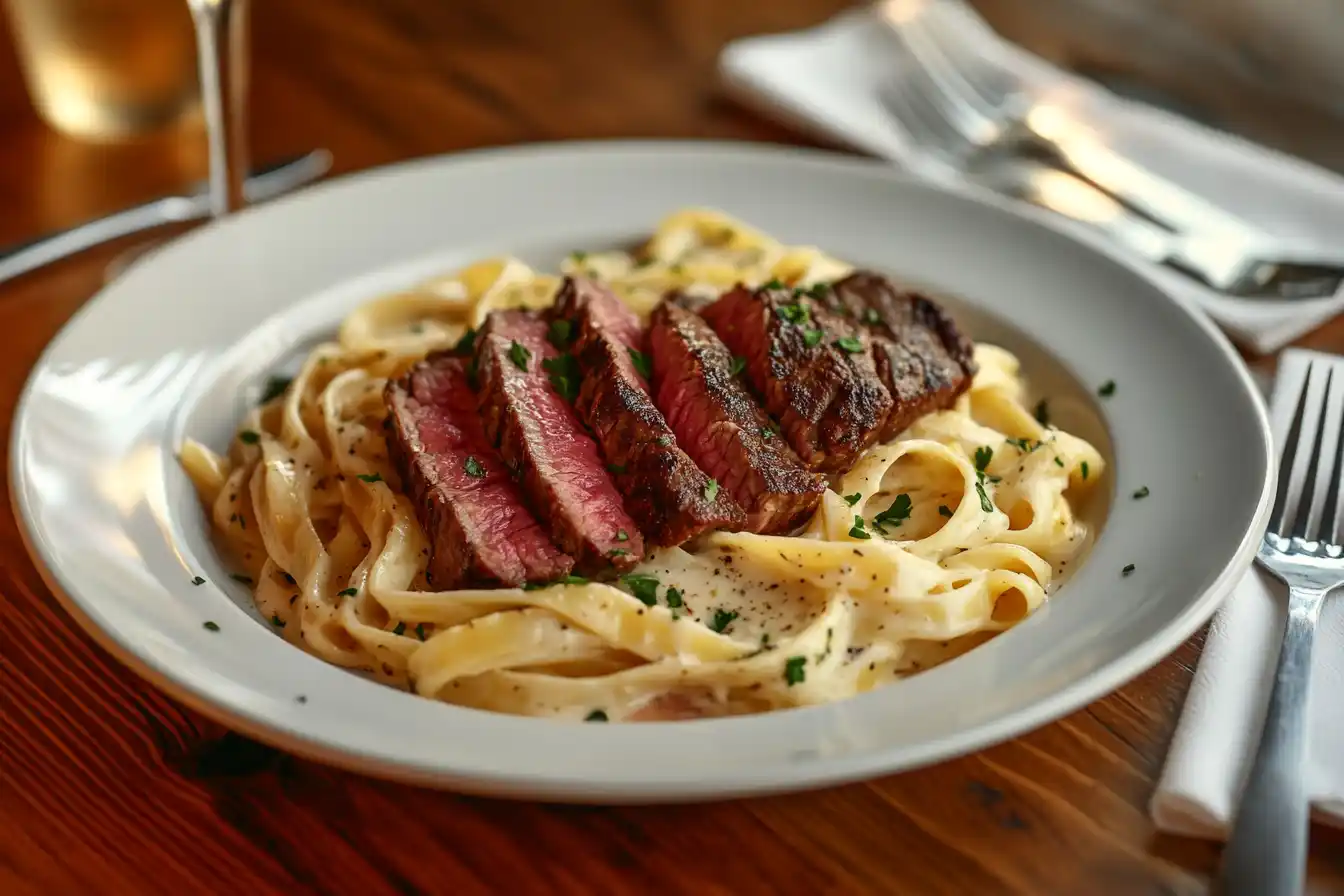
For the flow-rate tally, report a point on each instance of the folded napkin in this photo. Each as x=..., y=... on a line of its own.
x=825, y=81
x=1219, y=728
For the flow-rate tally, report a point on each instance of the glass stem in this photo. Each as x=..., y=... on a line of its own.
x=221, y=38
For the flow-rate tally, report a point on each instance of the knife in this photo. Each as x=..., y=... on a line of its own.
x=264, y=183
x=1064, y=193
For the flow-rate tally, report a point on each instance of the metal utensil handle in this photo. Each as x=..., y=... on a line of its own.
x=221, y=32
x=1267, y=852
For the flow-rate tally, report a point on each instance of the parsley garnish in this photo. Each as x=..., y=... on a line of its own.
x=617, y=552
x=248, y=437
x=571, y=580
x=643, y=587
x=897, y=513
x=739, y=365
x=674, y=598
x=420, y=630
x=1127, y=570
x=277, y=621
x=596, y=715
x=519, y=354
x=711, y=489
x=812, y=337
x=944, y=510
x=722, y=619
x=578, y=256
x=767, y=433
x=1083, y=468
x=473, y=468
x=794, y=313
x=853, y=499
x=1107, y=389
x=622, y=535
x=400, y=629
x=275, y=387
x=618, y=469
x=985, y=504
x=870, y=316
x=210, y=625
x=665, y=441
x=564, y=374
x=794, y=673
x=239, y=577
x=560, y=332
x=348, y=592
x=983, y=455
x=774, y=283
x=1059, y=461
x=1042, y=413
x=467, y=343
x=857, y=530
x=370, y=477
x=1141, y=493
x=198, y=581
x=817, y=290
x=643, y=365
x=851, y=344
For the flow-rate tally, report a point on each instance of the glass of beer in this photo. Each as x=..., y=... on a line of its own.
x=108, y=69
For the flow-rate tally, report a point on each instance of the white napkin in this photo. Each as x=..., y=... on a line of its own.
x=1219, y=728
x=825, y=81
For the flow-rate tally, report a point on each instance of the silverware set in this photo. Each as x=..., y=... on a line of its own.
x=984, y=120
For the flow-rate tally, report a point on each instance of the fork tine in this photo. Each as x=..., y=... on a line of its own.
x=1279, y=517
x=1307, y=501
x=1328, y=527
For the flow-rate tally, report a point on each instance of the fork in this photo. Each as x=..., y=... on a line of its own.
x=1266, y=854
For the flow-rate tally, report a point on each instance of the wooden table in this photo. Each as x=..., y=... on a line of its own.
x=107, y=786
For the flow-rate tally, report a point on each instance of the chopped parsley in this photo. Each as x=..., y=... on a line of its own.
x=643, y=364
x=420, y=630
x=467, y=343
x=851, y=344
x=560, y=333
x=578, y=256
x=1026, y=446
x=897, y=513
x=400, y=629
x=617, y=552
x=643, y=587
x=793, y=313
x=275, y=387
x=564, y=374
x=198, y=581
x=348, y=592
x=370, y=477
x=722, y=619
x=473, y=468
x=870, y=316
x=983, y=455
x=1059, y=461
x=622, y=535
x=665, y=441
x=210, y=625
x=812, y=337
x=618, y=469
x=817, y=290
x=674, y=599
x=277, y=621
x=1083, y=469
x=857, y=530
x=767, y=433
x=985, y=504
x=249, y=437
x=773, y=283
x=596, y=715
x=711, y=489
x=1042, y=413
x=1107, y=389
x=853, y=499
x=794, y=673
x=519, y=354
x=1129, y=568
x=739, y=365
x=570, y=580
x=944, y=510
x=239, y=577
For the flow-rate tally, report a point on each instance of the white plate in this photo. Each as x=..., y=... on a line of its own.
x=178, y=343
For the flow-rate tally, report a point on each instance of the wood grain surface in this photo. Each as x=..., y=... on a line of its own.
x=109, y=787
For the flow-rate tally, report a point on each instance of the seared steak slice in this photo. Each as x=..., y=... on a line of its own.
x=721, y=427
x=479, y=529
x=812, y=369
x=668, y=496
x=925, y=361
x=546, y=446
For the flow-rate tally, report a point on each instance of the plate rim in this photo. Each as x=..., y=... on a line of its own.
x=802, y=776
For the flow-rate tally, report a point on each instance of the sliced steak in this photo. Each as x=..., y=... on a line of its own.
x=544, y=443
x=813, y=370
x=722, y=428
x=479, y=529
x=669, y=497
x=924, y=360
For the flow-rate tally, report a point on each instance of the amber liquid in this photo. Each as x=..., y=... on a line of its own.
x=104, y=69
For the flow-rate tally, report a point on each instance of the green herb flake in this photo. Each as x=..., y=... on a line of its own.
x=665, y=441
x=643, y=364
x=983, y=455
x=739, y=365
x=1129, y=568
x=210, y=625
x=1107, y=389
x=767, y=433
x=851, y=344
x=198, y=581
x=794, y=671
x=1059, y=461
x=578, y=256
x=519, y=354
x=818, y=291
x=417, y=328
x=944, y=510
x=853, y=499
x=1141, y=493
x=560, y=333
x=596, y=715
x=420, y=630
x=617, y=552
x=571, y=580
x=239, y=577
x=773, y=283
x=711, y=489
x=370, y=477
x=347, y=592
x=812, y=338
x=643, y=587
x=897, y=513
x=722, y=619
x=985, y=504
x=249, y=437
x=1082, y=468
x=870, y=316
x=277, y=621
x=400, y=629
x=857, y=530
x=618, y=469
x=473, y=468
x=674, y=598
x=564, y=375
x=794, y=313
x=275, y=387
x=1042, y=413
x=622, y=535
x=467, y=344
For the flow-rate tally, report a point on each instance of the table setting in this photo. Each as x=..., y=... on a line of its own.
x=203, y=292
